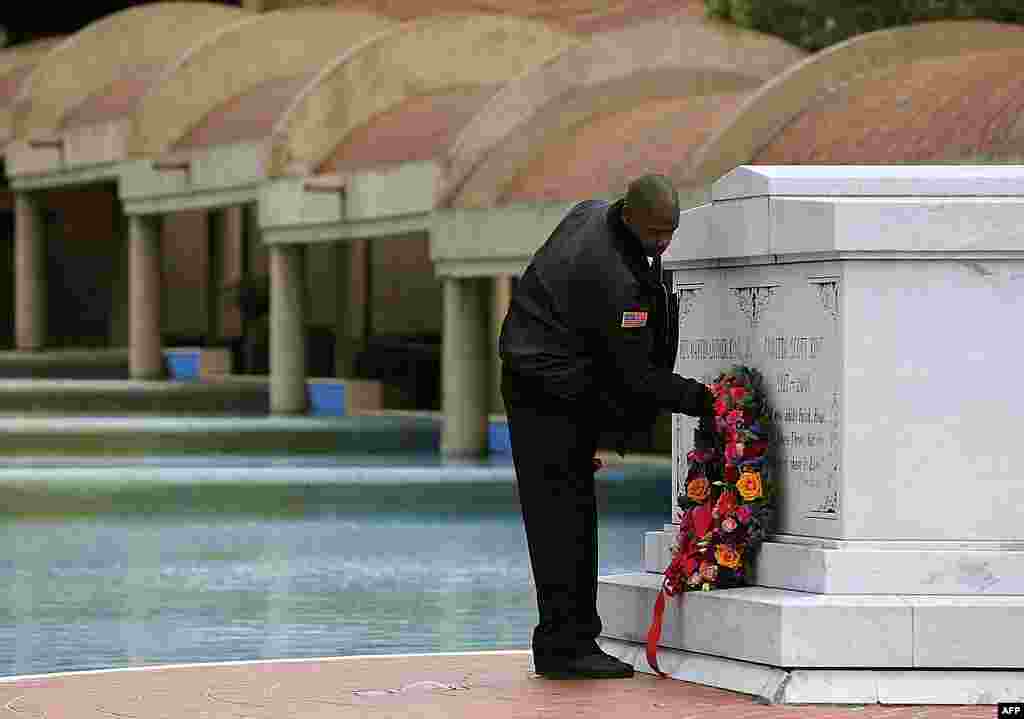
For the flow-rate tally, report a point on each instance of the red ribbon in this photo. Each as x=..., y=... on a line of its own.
x=654, y=634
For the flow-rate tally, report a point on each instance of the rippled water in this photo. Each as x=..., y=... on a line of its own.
x=120, y=589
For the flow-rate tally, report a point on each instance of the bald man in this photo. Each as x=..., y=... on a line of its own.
x=588, y=345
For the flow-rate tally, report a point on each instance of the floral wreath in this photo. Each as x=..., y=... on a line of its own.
x=727, y=498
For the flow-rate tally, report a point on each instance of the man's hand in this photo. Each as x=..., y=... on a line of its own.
x=709, y=403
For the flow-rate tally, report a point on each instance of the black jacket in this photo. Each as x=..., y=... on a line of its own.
x=575, y=330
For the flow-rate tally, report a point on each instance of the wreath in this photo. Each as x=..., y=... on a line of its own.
x=727, y=497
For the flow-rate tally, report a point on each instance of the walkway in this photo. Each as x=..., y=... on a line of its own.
x=495, y=685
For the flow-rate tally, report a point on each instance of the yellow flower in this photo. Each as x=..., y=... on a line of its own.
x=727, y=556
x=749, y=485
x=698, y=489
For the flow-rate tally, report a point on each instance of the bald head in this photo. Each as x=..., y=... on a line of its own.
x=652, y=192
x=651, y=211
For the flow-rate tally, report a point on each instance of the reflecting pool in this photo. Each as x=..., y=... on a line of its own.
x=115, y=564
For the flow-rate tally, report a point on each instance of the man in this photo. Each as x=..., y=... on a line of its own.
x=586, y=345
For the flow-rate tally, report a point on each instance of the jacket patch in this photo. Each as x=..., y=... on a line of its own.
x=634, y=319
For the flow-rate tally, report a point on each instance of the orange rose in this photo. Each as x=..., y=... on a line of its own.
x=749, y=485
x=698, y=488
x=727, y=556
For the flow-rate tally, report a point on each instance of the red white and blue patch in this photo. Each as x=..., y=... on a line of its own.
x=634, y=319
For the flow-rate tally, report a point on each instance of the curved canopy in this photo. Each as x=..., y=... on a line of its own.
x=420, y=128
x=937, y=110
x=571, y=15
x=18, y=61
x=601, y=157
x=611, y=73
x=423, y=57
x=125, y=48
x=784, y=98
x=234, y=66
x=16, y=65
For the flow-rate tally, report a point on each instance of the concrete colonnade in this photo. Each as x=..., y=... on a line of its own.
x=145, y=354
x=502, y=295
x=30, y=303
x=466, y=365
x=287, y=328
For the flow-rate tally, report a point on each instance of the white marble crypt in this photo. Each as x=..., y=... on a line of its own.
x=883, y=306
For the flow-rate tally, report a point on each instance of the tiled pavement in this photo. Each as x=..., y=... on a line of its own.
x=488, y=685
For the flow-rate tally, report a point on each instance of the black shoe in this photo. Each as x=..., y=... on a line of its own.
x=591, y=666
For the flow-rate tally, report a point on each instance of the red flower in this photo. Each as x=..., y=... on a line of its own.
x=731, y=473
x=755, y=449
x=726, y=503
x=720, y=407
x=738, y=393
x=701, y=518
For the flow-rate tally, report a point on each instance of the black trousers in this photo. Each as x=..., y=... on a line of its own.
x=552, y=449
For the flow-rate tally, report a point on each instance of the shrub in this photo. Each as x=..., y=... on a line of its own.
x=815, y=24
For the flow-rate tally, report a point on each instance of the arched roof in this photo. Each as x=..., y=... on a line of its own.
x=16, y=64
x=230, y=85
x=114, y=58
x=611, y=73
x=398, y=64
x=774, y=106
x=600, y=157
x=570, y=15
x=418, y=129
x=936, y=110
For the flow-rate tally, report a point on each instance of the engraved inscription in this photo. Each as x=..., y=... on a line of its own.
x=772, y=319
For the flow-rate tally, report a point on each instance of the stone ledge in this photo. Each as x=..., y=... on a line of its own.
x=826, y=686
x=928, y=569
x=787, y=629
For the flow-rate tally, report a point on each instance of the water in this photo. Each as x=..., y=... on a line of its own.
x=178, y=578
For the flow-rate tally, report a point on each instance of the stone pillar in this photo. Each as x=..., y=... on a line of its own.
x=351, y=262
x=145, y=355
x=215, y=246
x=287, y=329
x=120, y=294
x=29, y=273
x=502, y=295
x=465, y=367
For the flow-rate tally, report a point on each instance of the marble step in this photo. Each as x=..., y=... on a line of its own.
x=771, y=685
x=789, y=629
x=873, y=567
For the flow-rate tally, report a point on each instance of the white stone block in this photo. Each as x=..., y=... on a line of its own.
x=870, y=180
x=826, y=686
x=788, y=629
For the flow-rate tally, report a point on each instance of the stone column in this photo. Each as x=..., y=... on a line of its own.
x=29, y=273
x=465, y=367
x=215, y=255
x=351, y=262
x=145, y=355
x=120, y=294
x=287, y=329
x=502, y=295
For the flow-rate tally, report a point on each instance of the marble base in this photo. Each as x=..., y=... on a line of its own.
x=787, y=630
x=826, y=686
x=852, y=567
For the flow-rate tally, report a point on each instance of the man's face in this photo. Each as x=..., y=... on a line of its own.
x=653, y=228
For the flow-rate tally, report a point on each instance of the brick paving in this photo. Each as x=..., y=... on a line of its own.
x=493, y=685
